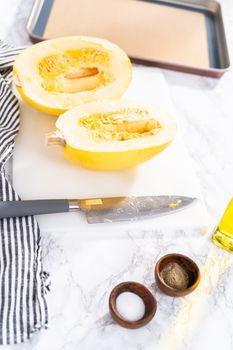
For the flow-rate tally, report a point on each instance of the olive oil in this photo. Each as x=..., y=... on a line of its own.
x=223, y=235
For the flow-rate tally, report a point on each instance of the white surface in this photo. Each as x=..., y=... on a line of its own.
x=130, y=306
x=84, y=267
x=47, y=174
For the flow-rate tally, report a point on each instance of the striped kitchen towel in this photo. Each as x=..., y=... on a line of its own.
x=23, y=308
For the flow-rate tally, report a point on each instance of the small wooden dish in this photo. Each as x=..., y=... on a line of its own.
x=144, y=293
x=186, y=263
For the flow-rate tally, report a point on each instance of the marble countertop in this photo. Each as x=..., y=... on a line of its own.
x=78, y=302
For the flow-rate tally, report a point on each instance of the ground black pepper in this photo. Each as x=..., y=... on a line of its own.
x=175, y=276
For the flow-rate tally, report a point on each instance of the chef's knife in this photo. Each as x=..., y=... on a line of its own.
x=100, y=210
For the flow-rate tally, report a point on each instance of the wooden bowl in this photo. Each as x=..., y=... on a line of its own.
x=187, y=264
x=144, y=293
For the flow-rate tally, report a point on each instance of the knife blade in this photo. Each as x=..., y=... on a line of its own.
x=100, y=210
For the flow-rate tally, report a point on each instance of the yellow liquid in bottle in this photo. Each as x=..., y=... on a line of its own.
x=223, y=236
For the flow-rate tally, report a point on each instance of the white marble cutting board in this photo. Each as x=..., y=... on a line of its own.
x=42, y=172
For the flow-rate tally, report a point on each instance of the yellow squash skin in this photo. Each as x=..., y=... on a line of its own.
x=39, y=107
x=110, y=161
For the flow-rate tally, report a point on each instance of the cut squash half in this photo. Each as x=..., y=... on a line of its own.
x=112, y=134
x=60, y=74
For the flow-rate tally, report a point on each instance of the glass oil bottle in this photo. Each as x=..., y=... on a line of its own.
x=223, y=235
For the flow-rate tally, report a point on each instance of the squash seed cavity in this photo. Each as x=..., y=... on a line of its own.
x=121, y=125
x=75, y=70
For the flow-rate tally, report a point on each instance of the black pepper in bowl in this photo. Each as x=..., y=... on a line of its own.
x=176, y=274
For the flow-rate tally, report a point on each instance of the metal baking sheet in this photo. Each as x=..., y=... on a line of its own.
x=183, y=35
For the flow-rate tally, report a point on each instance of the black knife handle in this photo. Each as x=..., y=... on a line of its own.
x=11, y=209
